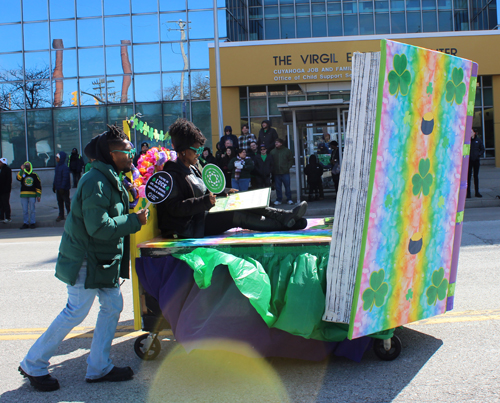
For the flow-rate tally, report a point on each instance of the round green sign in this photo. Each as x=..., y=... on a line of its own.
x=214, y=178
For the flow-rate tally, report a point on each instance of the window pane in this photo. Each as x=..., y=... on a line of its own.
x=365, y=6
x=147, y=88
x=144, y=6
x=430, y=21
x=412, y=5
x=381, y=6
x=34, y=10
x=112, y=7
x=64, y=91
x=37, y=65
x=117, y=30
x=62, y=9
x=11, y=11
x=12, y=96
x=11, y=67
x=477, y=101
x=397, y=5
x=414, y=22
x=152, y=114
x=428, y=5
x=286, y=11
x=116, y=115
x=92, y=91
x=40, y=139
x=173, y=111
x=272, y=29
x=169, y=5
x=202, y=119
x=89, y=8
x=366, y=24
x=66, y=133
x=398, y=23
x=175, y=86
x=487, y=81
x=334, y=8
x=145, y=28
x=93, y=122
x=488, y=96
x=119, y=89
x=318, y=9
x=258, y=107
x=36, y=36
x=198, y=54
x=146, y=58
x=200, y=85
x=170, y=28
x=118, y=60
x=13, y=145
x=445, y=22
x=271, y=12
x=335, y=26
x=63, y=31
x=350, y=25
x=202, y=25
x=90, y=32
x=444, y=4
x=243, y=107
x=319, y=26
x=91, y=62
x=287, y=28
x=273, y=102
x=303, y=27
x=382, y=24
x=461, y=21
x=350, y=8
x=65, y=59
x=172, y=56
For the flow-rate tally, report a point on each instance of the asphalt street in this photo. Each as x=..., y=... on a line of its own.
x=448, y=358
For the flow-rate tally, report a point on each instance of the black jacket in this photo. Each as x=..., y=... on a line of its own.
x=476, y=148
x=75, y=163
x=313, y=171
x=267, y=137
x=5, y=179
x=183, y=213
x=264, y=168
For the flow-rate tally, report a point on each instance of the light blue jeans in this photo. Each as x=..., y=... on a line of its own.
x=28, y=204
x=80, y=301
x=240, y=184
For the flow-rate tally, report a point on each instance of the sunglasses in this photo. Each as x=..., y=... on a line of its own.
x=130, y=153
x=198, y=151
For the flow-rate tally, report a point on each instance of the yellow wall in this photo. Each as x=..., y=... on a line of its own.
x=231, y=109
x=496, y=116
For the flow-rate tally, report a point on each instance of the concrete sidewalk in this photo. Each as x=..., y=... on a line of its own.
x=47, y=210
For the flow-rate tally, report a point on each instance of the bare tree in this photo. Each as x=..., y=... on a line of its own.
x=200, y=87
x=35, y=91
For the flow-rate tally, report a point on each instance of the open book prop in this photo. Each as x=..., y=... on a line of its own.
x=242, y=200
x=398, y=218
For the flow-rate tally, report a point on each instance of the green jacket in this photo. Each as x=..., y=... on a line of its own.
x=97, y=228
x=283, y=160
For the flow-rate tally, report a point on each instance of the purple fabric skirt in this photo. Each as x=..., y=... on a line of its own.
x=222, y=312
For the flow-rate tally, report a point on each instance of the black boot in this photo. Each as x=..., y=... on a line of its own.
x=300, y=224
x=285, y=217
x=255, y=223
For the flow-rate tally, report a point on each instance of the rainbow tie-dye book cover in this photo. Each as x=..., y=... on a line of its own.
x=416, y=195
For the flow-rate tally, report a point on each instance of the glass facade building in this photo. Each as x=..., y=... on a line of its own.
x=69, y=67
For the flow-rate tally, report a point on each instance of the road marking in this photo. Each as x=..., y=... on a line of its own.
x=77, y=333
x=130, y=332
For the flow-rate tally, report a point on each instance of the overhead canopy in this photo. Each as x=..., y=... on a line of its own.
x=315, y=111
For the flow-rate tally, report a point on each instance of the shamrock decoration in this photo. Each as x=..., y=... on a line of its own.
x=438, y=288
x=388, y=201
x=470, y=108
x=455, y=88
x=423, y=180
x=429, y=88
x=441, y=202
x=377, y=291
x=400, y=77
x=407, y=118
x=409, y=294
x=446, y=142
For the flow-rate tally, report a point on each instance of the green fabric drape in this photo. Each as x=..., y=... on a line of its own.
x=289, y=294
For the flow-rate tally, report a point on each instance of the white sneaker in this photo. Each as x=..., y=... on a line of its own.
x=290, y=202
x=7, y=220
x=277, y=203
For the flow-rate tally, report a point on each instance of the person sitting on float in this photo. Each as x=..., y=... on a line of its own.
x=185, y=213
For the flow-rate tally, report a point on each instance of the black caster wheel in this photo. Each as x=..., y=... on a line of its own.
x=387, y=355
x=147, y=354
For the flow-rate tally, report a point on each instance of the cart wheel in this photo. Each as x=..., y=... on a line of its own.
x=145, y=353
x=387, y=355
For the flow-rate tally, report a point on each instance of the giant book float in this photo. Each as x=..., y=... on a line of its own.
x=398, y=219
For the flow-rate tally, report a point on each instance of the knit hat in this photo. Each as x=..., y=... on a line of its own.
x=3, y=161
